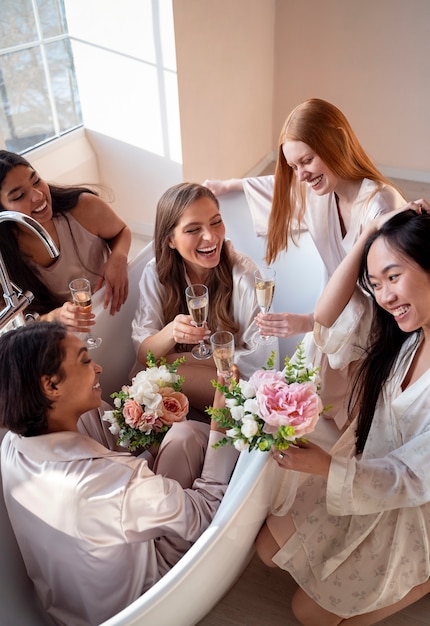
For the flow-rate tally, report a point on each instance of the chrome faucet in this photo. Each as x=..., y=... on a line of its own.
x=16, y=299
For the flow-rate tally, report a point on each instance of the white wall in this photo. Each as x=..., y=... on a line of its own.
x=124, y=56
x=68, y=160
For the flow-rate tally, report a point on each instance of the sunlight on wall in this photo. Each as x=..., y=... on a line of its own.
x=125, y=61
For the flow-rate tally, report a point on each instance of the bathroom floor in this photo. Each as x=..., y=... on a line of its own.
x=262, y=597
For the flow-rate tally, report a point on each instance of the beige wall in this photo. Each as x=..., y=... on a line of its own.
x=369, y=57
x=224, y=56
x=242, y=66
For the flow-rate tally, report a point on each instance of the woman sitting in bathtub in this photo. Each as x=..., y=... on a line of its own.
x=357, y=536
x=96, y=528
x=93, y=242
x=190, y=247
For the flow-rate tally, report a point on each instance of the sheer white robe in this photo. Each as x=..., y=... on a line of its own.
x=322, y=221
x=248, y=356
x=363, y=535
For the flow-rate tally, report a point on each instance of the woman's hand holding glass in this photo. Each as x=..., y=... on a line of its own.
x=80, y=289
x=284, y=324
x=198, y=305
x=264, y=282
x=75, y=318
x=185, y=331
x=222, y=343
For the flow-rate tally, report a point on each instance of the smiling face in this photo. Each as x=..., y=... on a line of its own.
x=309, y=167
x=24, y=191
x=79, y=390
x=199, y=237
x=400, y=286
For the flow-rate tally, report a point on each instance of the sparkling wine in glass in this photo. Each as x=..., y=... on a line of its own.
x=198, y=305
x=80, y=289
x=222, y=343
x=264, y=282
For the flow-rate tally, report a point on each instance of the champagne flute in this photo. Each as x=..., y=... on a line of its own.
x=222, y=343
x=264, y=281
x=80, y=289
x=198, y=305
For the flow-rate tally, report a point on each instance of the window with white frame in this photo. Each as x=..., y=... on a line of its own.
x=39, y=98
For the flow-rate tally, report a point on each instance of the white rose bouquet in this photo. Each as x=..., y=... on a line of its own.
x=145, y=410
x=272, y=408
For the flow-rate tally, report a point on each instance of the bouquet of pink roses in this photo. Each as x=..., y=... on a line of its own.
x=145, y=410
x=272, y=408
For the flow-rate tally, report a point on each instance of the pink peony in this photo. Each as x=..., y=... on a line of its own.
x=174, y=406
x=296, y=405
x=268, y=377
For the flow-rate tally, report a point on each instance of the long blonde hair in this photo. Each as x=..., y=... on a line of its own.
x=325, y=129
x=170, y=267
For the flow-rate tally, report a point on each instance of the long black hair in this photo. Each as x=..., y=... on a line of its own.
x=408, y=233
x=26, y=354
x=63, y=200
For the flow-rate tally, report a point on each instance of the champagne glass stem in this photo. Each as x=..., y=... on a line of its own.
x=198, y=305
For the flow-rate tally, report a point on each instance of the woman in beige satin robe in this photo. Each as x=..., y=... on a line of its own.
x=96, y=527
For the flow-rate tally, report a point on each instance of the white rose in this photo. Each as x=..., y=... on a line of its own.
x=251, y=406
x=241, y=445
x=114, y=428
x=237, y=412
x=232, y=433
x=145, y=392
x=247, y=390
x=249, y=428
x=230, y=402
x=108, y=416
x=161, y=375
x=155, y=403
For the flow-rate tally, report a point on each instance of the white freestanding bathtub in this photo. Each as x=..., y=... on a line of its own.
x=191, y=589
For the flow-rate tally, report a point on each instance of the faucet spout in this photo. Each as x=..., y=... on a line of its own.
x=16, y=300
x=32, y=224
